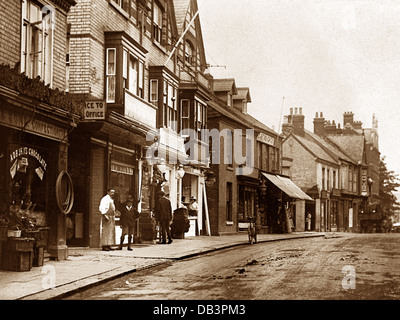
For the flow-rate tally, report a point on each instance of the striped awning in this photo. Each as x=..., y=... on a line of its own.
x=287, y=186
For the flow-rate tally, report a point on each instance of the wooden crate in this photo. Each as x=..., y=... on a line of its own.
x=19, y=244
x=17, y=260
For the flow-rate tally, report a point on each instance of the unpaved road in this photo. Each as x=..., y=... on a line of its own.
x=301, y=269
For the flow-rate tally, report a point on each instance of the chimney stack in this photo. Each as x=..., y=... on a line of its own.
x=297, y=121
x=319, y=124
x=348, y=118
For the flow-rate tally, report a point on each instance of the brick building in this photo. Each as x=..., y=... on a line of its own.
x=36, y=117
x=330, y=164
x=246, y=161
x=142, y=63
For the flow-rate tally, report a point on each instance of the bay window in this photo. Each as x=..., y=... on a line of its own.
x=110, y=75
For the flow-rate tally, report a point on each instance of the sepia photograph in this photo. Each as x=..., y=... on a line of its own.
x=199, y=158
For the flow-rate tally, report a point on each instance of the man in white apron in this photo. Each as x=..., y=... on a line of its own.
x=107, y=226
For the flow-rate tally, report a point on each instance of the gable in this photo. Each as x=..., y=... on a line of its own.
x=185, y=12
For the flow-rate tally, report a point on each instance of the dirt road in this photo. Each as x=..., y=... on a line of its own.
x=339, y=266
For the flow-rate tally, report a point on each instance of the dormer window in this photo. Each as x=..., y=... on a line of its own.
x=229, y=99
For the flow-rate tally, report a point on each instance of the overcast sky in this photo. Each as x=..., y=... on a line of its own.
x=325, y=56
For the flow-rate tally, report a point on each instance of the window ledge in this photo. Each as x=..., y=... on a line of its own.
x=119, y=9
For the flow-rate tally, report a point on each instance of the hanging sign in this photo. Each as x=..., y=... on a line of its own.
x=95, y=110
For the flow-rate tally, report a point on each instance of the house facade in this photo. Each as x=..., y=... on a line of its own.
x=140, y=66
x=36, y=117
x=339, y=183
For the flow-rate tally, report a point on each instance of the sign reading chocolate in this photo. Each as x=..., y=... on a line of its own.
x=26, y=151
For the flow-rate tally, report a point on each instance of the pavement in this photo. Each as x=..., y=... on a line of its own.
x=87, y=267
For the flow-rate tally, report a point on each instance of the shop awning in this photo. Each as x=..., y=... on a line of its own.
x=287, y=186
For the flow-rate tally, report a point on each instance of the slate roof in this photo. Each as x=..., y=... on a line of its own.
x=220, y=85
x=243, y=94
x=331, y=146
x=353, y=145
x=181, y=8
x=315, y=149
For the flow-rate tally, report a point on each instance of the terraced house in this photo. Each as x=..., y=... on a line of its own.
x=331, y=165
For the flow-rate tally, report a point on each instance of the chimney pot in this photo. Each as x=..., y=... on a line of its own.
x=291, y=111
x=301, y=110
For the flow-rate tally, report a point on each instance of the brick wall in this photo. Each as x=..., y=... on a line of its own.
x=304, y=167
x=10, y=26
x=89, y=19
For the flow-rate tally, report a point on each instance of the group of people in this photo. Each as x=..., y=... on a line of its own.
x=129, y=216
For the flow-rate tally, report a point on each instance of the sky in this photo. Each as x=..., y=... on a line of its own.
x=327, y=56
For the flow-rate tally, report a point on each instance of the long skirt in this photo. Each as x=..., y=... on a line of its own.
x=107, y=231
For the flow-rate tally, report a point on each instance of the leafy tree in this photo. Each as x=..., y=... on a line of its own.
x=388, y=182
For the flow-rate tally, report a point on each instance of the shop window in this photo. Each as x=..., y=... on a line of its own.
x=323, y=179
x=37, y=40
x=28, y=181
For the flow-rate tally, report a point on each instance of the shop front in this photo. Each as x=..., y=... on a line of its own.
x=100, y=159
x=282, y=202
x=36, y=192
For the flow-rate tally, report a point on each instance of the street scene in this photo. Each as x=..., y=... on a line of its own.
x=199, y=150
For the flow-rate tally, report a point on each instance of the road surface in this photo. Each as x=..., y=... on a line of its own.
x=338, y=266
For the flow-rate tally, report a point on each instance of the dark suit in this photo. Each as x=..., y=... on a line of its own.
x=163, y=212
x=128, y=223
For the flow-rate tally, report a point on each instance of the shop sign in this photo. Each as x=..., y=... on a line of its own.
x=20, y=121
x=122, y=169
x=20, y=161
x=95, y=110
x=262, y=137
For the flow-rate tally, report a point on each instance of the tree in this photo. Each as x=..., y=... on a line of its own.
x=388, y=182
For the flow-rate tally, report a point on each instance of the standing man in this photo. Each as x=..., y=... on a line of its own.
x=107, y=225
x=129, y=216
x=163, y=212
